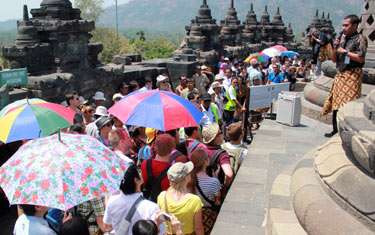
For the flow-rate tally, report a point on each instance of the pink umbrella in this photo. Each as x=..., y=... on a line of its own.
x=280, y=48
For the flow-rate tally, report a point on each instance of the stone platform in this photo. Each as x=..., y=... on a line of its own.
x=275, y=147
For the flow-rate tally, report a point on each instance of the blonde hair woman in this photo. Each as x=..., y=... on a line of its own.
x=178, y=201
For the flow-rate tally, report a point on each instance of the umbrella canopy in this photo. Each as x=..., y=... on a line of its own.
x=19, y=103
x=260, y=57
x=30, y=121
x=280, y=48
x=290, y=54
x=61, y=174
x=156, y=109
x=272, y=52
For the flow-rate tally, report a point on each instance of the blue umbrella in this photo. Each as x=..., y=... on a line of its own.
x=290, y=54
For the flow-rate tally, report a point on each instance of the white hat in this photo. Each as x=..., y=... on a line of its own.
x=226, y=58
x=99, y=96
x=159, y=79
x=101, y=111
x=82, y=100
x=204, y=67
x=117, y=95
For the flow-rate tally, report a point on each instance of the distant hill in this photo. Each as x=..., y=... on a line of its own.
x=9, y=25
x=173, y=15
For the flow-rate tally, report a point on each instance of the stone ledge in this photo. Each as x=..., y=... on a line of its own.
x=281, y=217
x=314, y=111
x=315, y=210
x=347, y=185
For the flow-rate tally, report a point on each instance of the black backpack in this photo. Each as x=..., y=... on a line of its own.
x=152, y=187
x=213, y=166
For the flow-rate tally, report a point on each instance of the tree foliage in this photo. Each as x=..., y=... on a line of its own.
x=90, y=9
x=158, y=48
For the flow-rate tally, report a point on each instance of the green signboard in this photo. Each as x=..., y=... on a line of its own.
x=13, y=77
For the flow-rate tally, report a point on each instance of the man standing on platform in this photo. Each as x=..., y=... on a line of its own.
x=232, y=101
x=349, y=55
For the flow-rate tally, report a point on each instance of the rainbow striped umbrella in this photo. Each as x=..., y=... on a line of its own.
x=19, y=103
x=260, y=57
x=159, y=110
x=30, y=121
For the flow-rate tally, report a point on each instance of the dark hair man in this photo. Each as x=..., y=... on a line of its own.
x=317, y=40
x=32, y=221
x=349, y=56
x=72, y=99
x=119, y=205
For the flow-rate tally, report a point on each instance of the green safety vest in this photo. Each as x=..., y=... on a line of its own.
x=230, y=105
x=214, y=110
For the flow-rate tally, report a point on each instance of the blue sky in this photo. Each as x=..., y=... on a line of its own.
x=12, y=9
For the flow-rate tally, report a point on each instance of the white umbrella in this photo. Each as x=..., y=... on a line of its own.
x=272, y=52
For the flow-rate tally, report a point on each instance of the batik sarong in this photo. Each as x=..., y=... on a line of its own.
x=346, y=87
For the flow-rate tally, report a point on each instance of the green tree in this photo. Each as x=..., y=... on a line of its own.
x=90, y=9
x=141, y=35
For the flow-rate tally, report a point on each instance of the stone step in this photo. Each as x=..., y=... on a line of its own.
x=281, y=218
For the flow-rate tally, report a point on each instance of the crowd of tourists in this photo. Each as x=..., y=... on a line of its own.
x=177, y=179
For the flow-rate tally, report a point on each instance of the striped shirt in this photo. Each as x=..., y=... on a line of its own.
x=210, y=187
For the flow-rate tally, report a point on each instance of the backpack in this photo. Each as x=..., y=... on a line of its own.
x=234, y=156
x=193, y=146
x=142, y=153
x=152, y=187
x=175, y=155
x=212, y=167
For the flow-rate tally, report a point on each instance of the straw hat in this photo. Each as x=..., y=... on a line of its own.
x=178, y=171
x=215, y=85
x=218, y=77
x=209, y=132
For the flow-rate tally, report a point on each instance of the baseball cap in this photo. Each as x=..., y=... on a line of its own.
x=178, y=171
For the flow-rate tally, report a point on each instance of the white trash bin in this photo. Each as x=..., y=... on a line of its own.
x=289, y=109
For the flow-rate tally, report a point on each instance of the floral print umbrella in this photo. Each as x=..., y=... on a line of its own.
x=61, y=174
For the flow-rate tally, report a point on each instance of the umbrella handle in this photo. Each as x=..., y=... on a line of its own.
x=59, y=134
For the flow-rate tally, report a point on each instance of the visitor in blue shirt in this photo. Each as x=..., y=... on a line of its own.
x=275, y=76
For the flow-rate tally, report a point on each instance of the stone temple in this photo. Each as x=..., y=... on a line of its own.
x=207, y=40
x=54, y=47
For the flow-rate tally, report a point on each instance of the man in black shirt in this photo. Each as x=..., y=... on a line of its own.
x=350, y=58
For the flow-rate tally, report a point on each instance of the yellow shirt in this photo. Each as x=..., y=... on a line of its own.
x=184, y=210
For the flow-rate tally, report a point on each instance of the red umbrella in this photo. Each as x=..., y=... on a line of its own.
x=280, y=48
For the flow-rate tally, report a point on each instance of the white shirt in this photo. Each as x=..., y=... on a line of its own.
x=123, y=156
x=227, y=83
x=219, y=102
x=145, y=88
x=119, y=206
x=231, y=93
x=209, y=116
x=31, y=225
